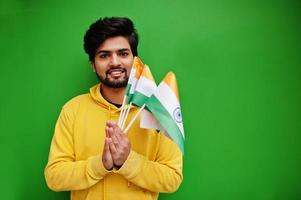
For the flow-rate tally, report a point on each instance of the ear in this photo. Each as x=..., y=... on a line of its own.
x=93, y=66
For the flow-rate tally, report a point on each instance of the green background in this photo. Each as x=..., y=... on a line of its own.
x=238, y=69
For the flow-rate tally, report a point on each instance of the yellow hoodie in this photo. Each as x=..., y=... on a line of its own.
x=154, y=164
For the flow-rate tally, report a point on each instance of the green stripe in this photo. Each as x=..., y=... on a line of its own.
x=166, y=121
x=138, y=99
x=128, y=88
x=129, y=96
x=128, y=99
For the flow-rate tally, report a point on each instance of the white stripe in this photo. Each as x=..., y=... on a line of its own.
x=169, y=100
x=133, y=83
x=149, y=121
x=132, y=75
x=132, y=80
x=146, y=86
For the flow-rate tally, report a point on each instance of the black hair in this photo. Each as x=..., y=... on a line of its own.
x=106, y=28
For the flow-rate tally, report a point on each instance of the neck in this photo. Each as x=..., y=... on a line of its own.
x=113, y=95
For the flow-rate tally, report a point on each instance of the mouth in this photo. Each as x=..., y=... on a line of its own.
x=116, y=72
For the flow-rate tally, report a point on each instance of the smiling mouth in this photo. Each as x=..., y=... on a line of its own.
x=115, y=73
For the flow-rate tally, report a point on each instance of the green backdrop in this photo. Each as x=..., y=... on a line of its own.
x=238, y=69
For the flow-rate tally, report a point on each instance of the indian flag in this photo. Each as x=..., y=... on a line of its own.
x=135, y=74
x=136, y=71
x=145, y=87
x=165, y=106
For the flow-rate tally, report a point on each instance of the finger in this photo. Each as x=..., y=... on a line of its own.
x=122, y=139
x=107, y=133
x=112, y=147
x=111, y=123
x=115, y=141
x=120, y=131
x=106, y=146
x=115, y=135
x=114, y=132
x=106, y=156
x=110, y=131
x=106, y=151
x=119, y=137
x=117, y=129
x=122, y=136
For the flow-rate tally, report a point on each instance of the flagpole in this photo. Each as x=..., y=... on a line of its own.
x=126, y=115
x=133, y=120
x=121, y=111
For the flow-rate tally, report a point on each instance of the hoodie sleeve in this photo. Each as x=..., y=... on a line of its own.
x=162, y=175
x=62, y=172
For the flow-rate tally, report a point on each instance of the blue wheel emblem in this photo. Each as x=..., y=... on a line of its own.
x=177, y=115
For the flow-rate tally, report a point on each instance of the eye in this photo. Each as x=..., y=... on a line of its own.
x=124, y=54
x=103, y=55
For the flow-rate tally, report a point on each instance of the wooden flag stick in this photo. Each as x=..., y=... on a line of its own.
x=133, y=120
x=126, y=115
x=121, y=111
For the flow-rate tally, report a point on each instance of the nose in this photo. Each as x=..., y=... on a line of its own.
x=115, y=61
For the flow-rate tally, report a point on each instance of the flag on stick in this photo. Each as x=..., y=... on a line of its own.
x=135, y=74
x=145, y=87
x=165, y=106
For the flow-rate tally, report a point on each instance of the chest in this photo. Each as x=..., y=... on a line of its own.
x=89, y=134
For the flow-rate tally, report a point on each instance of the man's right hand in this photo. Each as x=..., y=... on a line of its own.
x=107, y=159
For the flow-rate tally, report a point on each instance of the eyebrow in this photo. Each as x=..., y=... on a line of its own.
x=106, y=51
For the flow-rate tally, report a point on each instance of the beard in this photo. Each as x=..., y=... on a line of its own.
x=120, y=83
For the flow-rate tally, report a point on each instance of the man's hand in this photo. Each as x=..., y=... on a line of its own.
x=119, y=144
x=107, y=159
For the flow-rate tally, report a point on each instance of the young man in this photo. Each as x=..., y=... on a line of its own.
x=90, y=155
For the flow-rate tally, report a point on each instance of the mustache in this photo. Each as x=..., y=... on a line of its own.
x=115, y=69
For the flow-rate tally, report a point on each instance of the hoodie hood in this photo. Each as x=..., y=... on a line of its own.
x=98, y=99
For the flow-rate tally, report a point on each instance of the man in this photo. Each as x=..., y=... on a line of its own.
x=90, y=155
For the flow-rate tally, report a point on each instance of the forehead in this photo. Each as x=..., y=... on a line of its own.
x=114, y=44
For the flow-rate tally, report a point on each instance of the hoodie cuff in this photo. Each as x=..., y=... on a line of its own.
x=95, y=167
x=132, y=166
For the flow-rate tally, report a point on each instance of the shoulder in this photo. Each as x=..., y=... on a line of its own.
x=75, y=102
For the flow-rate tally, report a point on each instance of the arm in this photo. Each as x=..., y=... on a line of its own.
x=62, y=172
